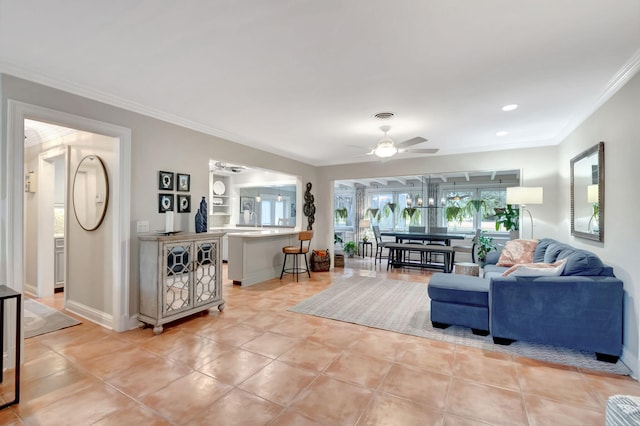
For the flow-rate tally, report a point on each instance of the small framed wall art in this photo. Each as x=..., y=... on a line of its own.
x=165, y=181
x=165, y=203
x=184, y=203
x=184, y=182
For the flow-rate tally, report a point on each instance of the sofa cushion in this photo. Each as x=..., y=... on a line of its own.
x=491, y=271
x=541, y=248
x=517, y=251
x=454, y=288
x=536, y=269
x=581, y=262
x=554, y=249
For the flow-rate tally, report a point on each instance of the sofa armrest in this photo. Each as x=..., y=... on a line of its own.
x=579, y=312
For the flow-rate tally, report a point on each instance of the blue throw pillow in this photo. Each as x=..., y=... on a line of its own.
x=581, y=262
x=541, y=248
x=553, y=251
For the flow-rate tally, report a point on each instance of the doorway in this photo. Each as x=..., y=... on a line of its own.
x=105, y=300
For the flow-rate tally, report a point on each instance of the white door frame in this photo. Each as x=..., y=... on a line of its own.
x=120, y=195
x=45, y=196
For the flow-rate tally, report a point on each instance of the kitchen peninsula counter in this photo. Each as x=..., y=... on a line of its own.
x=256, y=256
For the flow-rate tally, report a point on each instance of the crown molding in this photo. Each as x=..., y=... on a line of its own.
x=622, y=77
x=107, y=98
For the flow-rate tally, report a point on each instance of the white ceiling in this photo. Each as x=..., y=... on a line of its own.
x=304, y=78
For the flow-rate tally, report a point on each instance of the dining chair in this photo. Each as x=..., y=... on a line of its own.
x=296, y=251
x=379, y=244
x=417, y=230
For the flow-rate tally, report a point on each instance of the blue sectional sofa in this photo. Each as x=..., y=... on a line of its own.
x=580, y=309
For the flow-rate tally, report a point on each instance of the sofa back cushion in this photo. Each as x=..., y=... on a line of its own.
x=579, y=262
x=541, y=248
x=517, y=251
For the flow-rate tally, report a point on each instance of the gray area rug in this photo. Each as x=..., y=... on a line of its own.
x=403, y=307
x=41, y=319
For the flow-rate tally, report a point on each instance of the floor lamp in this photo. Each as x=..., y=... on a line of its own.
x=523, y=195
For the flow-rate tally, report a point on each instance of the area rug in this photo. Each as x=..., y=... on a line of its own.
x=41, y=319
x=403, y=307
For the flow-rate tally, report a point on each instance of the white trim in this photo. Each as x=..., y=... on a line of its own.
x=630, y=360
x=90, y=313
x=626, y=73
x=17, y=112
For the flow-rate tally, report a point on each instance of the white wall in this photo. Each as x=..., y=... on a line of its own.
x=156, y=145
x=617, y=123
x=89, y=273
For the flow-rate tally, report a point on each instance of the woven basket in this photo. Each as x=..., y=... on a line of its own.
x=320, y=260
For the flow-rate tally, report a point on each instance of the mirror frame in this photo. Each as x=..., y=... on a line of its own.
x=599, y=149
x=106, y=196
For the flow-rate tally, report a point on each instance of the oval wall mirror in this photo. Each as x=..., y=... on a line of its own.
x=90, y=192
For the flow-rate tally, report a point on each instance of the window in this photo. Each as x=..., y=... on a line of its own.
x=344, y=208
x=467, y=209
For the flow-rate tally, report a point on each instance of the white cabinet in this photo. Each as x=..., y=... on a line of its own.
x=180, y=275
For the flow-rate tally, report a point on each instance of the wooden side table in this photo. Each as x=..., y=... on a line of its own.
x=364, y=245
x=467, y=268
x=7, y=293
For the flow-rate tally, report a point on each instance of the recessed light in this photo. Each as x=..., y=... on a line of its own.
x=503, y=133
x=510, y=107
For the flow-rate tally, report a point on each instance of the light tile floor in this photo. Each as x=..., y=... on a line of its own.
x=257, y=363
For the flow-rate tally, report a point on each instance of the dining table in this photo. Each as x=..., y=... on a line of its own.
x=400, y=255
x=401, y=236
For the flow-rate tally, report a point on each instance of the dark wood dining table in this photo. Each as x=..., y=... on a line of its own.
x=401, y=236
x=401, y=256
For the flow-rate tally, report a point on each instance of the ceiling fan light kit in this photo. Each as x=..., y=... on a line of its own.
x=386, y=147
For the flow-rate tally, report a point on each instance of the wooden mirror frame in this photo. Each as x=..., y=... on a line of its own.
x=596, y=236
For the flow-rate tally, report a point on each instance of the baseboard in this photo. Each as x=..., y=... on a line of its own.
x=134, y=322
x=31, y=290
x=90, y=313
x=630, y=360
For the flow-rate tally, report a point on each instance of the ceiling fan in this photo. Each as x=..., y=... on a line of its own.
x=386, y=147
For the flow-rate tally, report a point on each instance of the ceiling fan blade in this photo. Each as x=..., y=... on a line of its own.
x=419, y=151
x=411, y=142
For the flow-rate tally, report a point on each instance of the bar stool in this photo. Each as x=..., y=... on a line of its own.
x=297, y=251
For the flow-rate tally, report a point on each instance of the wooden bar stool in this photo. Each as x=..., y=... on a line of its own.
x=297, y=251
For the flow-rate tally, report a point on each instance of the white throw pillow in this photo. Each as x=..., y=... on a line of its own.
x=536, y=269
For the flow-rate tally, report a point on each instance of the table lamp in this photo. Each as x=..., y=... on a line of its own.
x=365, y=224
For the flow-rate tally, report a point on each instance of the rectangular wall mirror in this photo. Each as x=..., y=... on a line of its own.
x=587, y=194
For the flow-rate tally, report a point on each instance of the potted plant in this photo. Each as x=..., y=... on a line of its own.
x=483, y=246
x=454, y=214
x=479, y=206
x=337, y=239
x=350, y=248
x=410, y=213
x=341, y=214
x=509, y=218
x=390, y=208
x=374, y=213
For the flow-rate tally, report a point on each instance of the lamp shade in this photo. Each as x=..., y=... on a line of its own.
x=592, y=194
x=365, y=223
x=524, y=195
